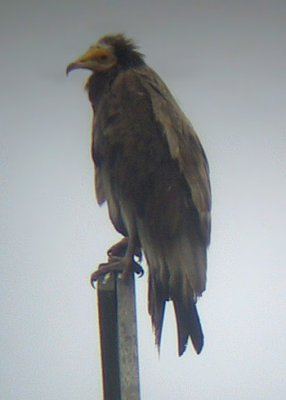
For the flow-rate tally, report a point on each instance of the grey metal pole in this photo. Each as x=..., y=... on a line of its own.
x=118, y=337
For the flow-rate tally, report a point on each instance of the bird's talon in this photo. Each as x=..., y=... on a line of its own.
x=116, y=264
x=137, y=269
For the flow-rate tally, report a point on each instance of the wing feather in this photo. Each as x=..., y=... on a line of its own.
x=184, y=144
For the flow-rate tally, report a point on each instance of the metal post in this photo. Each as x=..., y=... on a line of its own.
x=118, y=337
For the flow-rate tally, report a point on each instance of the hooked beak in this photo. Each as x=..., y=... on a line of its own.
x=89, y=60
x=71, y=67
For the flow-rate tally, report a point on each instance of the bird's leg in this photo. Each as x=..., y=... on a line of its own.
x=119, y=249
x=120, y=262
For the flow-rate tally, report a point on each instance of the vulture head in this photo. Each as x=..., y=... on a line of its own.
x=108, y=53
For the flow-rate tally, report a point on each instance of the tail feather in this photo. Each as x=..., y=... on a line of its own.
x=156, y=304
x=177, y=272
x=188, y=325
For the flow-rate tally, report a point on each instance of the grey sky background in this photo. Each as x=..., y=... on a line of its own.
x=225, y=62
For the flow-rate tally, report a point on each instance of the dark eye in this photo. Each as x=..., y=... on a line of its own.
x=103, y=57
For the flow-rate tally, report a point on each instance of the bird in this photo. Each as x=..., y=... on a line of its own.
x=151, y=169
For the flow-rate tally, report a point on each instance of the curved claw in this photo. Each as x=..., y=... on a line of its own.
x=103, y=269
x=138, y=270
x=94, y=277
x=116, y=264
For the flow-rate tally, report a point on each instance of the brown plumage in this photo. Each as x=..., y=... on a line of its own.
x=152, y=170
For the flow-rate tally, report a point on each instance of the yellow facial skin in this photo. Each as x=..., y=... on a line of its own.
x=96, y=58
